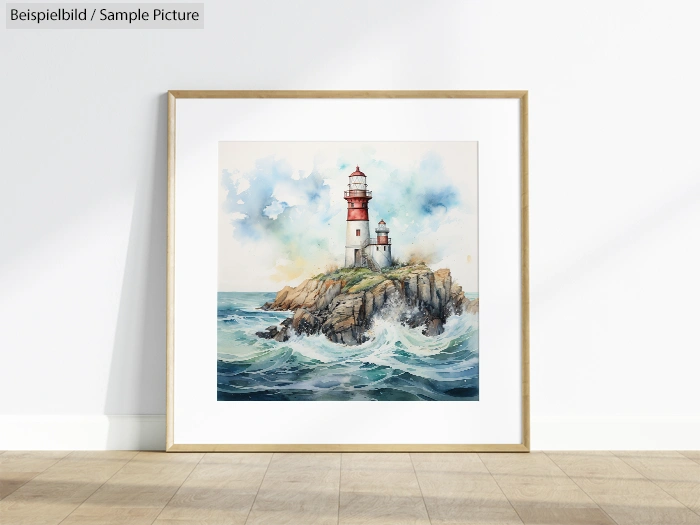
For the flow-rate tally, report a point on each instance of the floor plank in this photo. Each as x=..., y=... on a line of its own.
x=18, y=467
x=564, y=516
x=298, y=488
x=380, y=489
x=459, y=490
x=692, y=454
x=673, y=472
x=95, y=515
x=534, y=480
x=219, y=491
x=623, y=493
x=138, y=492
x=52, y=495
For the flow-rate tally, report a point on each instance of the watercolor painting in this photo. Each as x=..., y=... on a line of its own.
x=348, y=271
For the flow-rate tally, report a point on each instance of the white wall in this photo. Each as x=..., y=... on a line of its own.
x=380, y=254
x=354, y=241
x=615, y=198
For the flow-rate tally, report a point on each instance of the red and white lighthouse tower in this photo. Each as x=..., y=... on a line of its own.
x=360, y=249
x=357, y=228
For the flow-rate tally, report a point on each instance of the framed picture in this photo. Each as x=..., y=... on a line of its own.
x=347, y=271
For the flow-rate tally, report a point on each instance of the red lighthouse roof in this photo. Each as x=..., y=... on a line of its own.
x=357, y=173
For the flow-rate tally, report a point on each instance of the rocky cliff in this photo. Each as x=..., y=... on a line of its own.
x=341, y=304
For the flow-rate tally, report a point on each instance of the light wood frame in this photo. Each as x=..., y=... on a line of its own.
x=524, y=275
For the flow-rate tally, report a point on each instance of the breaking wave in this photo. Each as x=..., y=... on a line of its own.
x=397, y=363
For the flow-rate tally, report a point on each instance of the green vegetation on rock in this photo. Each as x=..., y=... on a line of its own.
x=343, y=274
x=366, y=282
x=363, y=279
x=401, y=272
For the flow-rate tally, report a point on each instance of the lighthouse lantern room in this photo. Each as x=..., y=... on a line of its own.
x=360, y=249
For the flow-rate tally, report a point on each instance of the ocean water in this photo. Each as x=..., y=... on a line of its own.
x=397, y=364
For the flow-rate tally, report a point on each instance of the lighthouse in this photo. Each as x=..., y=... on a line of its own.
x=382, y=248
x=360, y=249
x=357, y=226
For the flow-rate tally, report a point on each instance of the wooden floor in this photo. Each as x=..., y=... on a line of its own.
x=558, y=488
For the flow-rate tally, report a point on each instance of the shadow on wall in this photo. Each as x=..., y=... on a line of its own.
x=135, y=433
x=136, y=383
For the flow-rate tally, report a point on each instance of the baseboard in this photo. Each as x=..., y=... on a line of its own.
x=616, y=433
x=134, y=432
x=77, y=432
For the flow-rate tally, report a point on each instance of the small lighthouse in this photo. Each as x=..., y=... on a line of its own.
x=357, y=228
x=382, y=248
x=360, y=249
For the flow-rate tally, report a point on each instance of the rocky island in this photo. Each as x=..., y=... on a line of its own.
x=341, y=304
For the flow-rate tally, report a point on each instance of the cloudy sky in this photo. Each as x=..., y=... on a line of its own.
x=282, y=213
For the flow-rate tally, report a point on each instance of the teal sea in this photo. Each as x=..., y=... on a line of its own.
x=397, y=363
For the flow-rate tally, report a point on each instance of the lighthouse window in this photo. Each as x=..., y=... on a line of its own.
x=357, y=233
x=384, y=248
x=352, y=204
x=377, y=248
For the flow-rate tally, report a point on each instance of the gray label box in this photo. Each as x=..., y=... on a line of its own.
x=104, y=16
